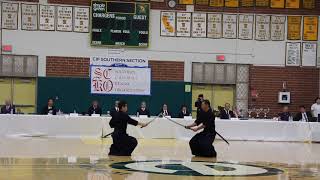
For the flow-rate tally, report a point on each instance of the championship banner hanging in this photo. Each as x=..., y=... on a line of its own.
x=245, y=26
x=183, y=24
x=10, y=15
x=202, y=2
x=309, y=53
x=64, y=18
x=278, y=28
x=262, y=3
x=214, y=26
x=81, y=19
x=309, y=4
x=47, y=17
x=168, y=23
x=231, y=3
x=185, y=1
x=29, y=17
x=294, y=28
x=199, y=25
x=230, y=26
x=292, y=4
x=277, y=3
x=293, y=54
x=246, y=3
x=310, y=28
x=262, y=27
x=216, y=3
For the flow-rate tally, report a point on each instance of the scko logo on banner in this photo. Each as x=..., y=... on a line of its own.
x=196, y=168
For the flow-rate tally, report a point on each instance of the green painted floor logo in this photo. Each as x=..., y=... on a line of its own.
x=196, y=168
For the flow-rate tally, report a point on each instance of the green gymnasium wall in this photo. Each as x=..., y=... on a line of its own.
x=74, y=93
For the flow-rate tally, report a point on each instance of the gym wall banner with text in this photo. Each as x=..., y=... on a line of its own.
x=120, y=76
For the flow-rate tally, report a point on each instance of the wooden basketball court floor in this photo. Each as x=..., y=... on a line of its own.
x=87, y=159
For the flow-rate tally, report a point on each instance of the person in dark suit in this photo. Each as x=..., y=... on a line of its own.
x=8, y=108
x=143, y=110
x=226, y=113
x=115, y=109
x=285, y=115
x=303, y=115
x=183, y=112
x=201, y=143
x=94, y=108
x=49, y=108
x=164, y=110
x=197, y=104
x=123, y=144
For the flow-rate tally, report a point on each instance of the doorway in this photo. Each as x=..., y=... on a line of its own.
x=218, y=95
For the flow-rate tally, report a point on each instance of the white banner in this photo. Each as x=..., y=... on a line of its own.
x=183, y=24
x=47, y=18
x=64, y=18
x=168, y=24
x=309, y=54
x=262, y=27
x=10, y=15
x=29, y=17
x=120, y=80
x=245, y=26
x=293, y=54
x=278, y=28
x=199, y=25
x=214, y=26
x=81, y=19
x=119, y=61
x=230, y=26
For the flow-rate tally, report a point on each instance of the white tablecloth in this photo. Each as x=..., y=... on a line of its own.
x=54, y=126
x=84, y=126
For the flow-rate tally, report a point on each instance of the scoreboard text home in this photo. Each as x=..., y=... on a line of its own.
x=119, y=23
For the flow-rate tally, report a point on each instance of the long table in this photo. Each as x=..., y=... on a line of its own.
x=66, y=126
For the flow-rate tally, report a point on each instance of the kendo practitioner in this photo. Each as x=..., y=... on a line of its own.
x=201, y=143
x=94, y=108
x=123, y=144
x=49, y=108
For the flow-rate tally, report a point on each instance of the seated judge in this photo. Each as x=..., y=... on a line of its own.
x=226, y=113
x=285, y=115
x=303, y=115
x=8, y=108
x=143, y=110
x=49, y=109
x=183, y=112
x=115, y=109
x=164, y=110
x=94, y=108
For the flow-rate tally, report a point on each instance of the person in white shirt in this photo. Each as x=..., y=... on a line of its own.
x=315, y=108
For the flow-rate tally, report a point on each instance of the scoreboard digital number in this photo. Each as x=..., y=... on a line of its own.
x=123, y=24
